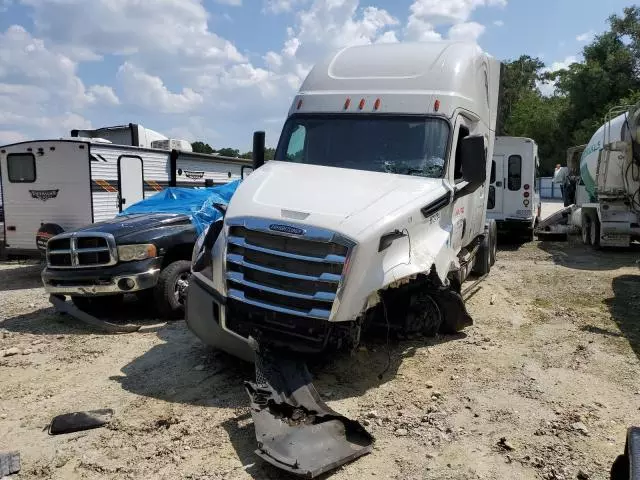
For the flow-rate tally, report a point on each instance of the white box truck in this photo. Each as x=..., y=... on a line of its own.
x=371, y=215
x=514, y=200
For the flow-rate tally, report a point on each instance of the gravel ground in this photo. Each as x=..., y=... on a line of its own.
x=543, y=385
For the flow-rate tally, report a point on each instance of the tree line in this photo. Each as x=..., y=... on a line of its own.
x=607, y=76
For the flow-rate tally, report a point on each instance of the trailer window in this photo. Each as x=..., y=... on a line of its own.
x=405, y=145
x=21, y=167
x=515, y=172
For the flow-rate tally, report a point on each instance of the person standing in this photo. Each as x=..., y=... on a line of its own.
x=559, y=177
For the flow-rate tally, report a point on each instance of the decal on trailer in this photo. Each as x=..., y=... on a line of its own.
x=44, y=195
x=194, y=175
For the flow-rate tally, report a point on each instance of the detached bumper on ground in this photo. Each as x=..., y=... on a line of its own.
x=126, y=277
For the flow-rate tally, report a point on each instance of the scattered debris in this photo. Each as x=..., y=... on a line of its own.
x=492, y=300
x=373, y=414
x=12, y=351
x=580, y=427
x=582, y=475
x=429, y=384
x=27, y=351
x=402, y=432
x=9, y=463
x=504, y=443
x=78, y=421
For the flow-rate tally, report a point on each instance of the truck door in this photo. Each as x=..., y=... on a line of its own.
x=130, y=181
x=496, y=186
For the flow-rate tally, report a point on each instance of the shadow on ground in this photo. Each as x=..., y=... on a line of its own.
x=20, y=276
x=48, y=321
x=624, y=307
x=183, y=370
x=573, y=254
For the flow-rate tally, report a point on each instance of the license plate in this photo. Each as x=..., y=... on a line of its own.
x=523, y=213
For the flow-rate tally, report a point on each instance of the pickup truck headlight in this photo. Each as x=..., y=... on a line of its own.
x=129, y=253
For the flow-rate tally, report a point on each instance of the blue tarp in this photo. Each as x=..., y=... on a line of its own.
x=197, y=203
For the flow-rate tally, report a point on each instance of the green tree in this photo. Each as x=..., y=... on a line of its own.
x=200, y=147
x=229, y=152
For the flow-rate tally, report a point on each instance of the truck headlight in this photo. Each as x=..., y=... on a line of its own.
x=129, y=253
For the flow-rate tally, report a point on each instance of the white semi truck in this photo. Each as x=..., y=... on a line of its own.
x=371, y=215
x=604, y=186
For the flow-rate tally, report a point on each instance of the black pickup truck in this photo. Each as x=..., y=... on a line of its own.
x=145, y=254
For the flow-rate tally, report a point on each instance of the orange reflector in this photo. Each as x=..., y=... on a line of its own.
x=299, y=104
x=361, y=104
x=347, y=102
x=436, y=105
x=376, y=105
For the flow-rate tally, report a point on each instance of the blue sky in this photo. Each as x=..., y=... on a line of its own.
x=215, y=70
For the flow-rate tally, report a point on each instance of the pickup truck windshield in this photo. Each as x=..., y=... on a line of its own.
x=393, y=144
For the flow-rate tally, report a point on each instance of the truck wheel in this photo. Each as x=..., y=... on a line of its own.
x=98, y=305
x=586, y=228
x=595, y=232
x=482, y=263
x=493, y=233
x=171, y=291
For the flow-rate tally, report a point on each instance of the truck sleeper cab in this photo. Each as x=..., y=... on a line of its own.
x=372, y=211
x=514, y=200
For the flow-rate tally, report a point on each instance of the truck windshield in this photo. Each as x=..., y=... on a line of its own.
x=394, y=144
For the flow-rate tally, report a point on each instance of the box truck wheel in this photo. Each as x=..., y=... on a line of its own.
x=171, y=289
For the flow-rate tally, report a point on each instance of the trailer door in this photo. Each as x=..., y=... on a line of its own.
x=130, y=180
x=496, y=186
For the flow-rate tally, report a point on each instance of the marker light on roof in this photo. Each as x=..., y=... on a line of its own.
x=347, y=102
x=436, y=105
x=376, y=105
x=299, y=104
x=361, y=104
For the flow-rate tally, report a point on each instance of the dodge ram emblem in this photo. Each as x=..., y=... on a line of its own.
x=286, y=229
x=44, y=195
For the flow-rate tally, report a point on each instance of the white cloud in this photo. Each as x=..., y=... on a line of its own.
x=280, y=6
x=499, y=23
x=103, y=94
x=10, y=136
x=549, y=88
x=469, y=31
x=388, y=37
x=4, y=5
x=233, y=3
x=585, y=37
x=149, y=92
x=426, y=15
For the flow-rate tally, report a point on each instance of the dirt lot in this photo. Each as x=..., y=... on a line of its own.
x=551, y=365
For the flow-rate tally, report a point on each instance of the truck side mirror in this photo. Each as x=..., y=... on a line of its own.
x=474, y=162
x=258, y=150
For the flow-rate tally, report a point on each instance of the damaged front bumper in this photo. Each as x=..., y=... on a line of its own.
x=296, y=431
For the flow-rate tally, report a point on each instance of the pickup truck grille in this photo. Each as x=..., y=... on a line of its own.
x=285, y=273
x=81, y=250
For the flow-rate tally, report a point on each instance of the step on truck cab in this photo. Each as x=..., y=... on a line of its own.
x=372, y=213
x=514, y=200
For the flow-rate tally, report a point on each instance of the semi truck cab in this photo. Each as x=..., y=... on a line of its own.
x=372, y=213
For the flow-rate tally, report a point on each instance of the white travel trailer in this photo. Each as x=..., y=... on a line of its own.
x=51, y=186
x=514, y=200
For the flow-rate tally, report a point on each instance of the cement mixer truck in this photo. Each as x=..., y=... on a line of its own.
x=604, y=185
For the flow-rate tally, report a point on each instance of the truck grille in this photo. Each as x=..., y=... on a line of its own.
x=81, y=250
x=282, y=272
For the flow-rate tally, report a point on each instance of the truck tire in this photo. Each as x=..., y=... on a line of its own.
x=595, y=232
x=170, y=291
x=482, y=263
x=590, y=229
x=493, y=233
x=98, y=305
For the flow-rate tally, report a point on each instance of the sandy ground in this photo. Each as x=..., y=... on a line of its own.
x=550, y=366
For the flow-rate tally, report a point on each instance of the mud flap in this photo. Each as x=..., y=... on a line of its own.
x=296, y=431
x=457, y=317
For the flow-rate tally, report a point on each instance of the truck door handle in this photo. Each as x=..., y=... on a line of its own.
x=498, y=184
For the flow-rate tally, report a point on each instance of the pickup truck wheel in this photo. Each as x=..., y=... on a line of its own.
x=98, y=305
x=171, y=290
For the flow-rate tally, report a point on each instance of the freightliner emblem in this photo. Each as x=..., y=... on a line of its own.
x=286, y=229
